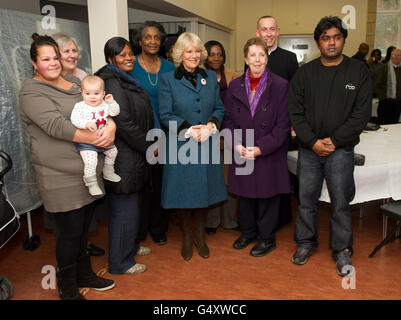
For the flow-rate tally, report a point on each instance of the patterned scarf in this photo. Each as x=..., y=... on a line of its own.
x=391, y=81
x=253, y=102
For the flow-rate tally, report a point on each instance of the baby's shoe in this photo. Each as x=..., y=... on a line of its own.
x=109, y=174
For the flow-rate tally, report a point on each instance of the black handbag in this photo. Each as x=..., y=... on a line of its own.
x=9, y=219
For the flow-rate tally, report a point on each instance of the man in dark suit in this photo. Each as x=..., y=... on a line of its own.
x=362, y=52
x=284, y=63
x=387, y=87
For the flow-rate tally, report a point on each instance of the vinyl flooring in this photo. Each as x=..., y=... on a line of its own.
x=228, y=273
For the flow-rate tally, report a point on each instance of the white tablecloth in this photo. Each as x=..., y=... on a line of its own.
x=375, y=105
x=380, y=177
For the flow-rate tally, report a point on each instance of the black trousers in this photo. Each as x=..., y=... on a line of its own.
x=388, y=111
x=259, y=218
x=154, y=219
x=285, y=216
x=72, y=239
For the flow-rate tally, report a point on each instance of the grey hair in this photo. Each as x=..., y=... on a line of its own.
x=63, y=39
x=395, y=49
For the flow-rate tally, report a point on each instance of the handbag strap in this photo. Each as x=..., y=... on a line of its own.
x=9, y=164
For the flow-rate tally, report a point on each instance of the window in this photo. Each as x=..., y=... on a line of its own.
x=388, y=24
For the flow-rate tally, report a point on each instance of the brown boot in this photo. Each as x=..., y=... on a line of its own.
x=199, y=233
x=186, y=228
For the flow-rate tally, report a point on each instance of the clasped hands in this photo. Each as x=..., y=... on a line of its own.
x=201, y=132
x=324, y=147
x=249, y=153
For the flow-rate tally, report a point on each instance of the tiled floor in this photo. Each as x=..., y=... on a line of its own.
x=228, y=273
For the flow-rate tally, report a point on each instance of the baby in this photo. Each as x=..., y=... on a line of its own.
x=92, y=113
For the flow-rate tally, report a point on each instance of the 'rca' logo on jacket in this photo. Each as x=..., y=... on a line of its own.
x=350, y=86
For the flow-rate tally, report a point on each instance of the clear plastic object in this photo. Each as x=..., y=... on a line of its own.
x=16, y=29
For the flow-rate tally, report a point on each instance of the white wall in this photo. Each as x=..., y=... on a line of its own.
x=207, y=32
x=107, y=19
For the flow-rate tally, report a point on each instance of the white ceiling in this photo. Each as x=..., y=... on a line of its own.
x=158, y=6
x=77, y=2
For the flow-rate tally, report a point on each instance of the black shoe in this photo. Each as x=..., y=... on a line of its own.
x=67, y=283
x=86, y=278
x=242, y=242
x=159, y=239
x=95, y=251
x=210, y=231
x=262, y=248
x=302, y=254
x=234, y=228
x=344, y=263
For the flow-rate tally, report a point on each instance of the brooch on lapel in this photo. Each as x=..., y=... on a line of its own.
x=203, y=81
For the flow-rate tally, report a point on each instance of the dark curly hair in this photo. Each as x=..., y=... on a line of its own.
x=328, y=23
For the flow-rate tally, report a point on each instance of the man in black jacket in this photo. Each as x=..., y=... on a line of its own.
x=329, y=105
x=362, y=53
x=284, y=63
x=387, y=87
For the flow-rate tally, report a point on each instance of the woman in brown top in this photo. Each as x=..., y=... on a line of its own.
x=46, y=102
x=70, y=55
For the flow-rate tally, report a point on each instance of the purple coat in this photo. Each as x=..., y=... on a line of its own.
x=271, y=125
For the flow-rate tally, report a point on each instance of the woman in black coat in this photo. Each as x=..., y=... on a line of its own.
x=133, y=123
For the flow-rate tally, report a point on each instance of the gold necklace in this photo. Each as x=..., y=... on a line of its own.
x=150, y=81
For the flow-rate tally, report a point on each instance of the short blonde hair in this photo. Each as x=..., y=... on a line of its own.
x=185, y=41
x=92, y=80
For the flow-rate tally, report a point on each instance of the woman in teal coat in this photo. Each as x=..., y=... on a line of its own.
x=190, y=109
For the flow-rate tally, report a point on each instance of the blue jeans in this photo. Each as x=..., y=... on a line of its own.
x=123, y=228
x=85, y=146
x=338, y=169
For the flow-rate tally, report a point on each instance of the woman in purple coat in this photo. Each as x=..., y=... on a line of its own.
x=258, y=100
